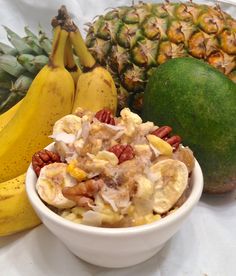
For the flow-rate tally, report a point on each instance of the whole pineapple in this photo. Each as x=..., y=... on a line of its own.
x=19, y=64
x=132, y=41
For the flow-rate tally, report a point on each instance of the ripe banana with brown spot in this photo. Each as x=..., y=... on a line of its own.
x=95, y=88
x=95, y=91
x=50, y=97
x=71, y=67
x=16, y=213
x=8, y=115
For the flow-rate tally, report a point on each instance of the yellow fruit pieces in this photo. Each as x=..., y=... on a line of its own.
x=108, y=156
x=162, y=146
x=75, y=171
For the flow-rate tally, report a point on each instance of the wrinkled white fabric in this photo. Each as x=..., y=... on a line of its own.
x=19, y=13
x=205, y=244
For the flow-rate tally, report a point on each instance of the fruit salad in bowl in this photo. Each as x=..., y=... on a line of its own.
x=111, y=175
x=113, y=171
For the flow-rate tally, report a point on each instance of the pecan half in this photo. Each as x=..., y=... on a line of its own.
x=164, y=133
x=174, y=141
x=83, y=193
x=43, y=158
x=105, y=116
x=123, y=152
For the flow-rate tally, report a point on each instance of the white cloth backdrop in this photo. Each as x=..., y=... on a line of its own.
x=205, y=245
x=18, y=13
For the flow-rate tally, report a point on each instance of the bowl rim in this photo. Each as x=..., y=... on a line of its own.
x=40, y=207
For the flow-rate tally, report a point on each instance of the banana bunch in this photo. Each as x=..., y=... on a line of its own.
x=58, y=89
x=70, y=65
x=16, y=212
x=8, y=115
x=50, y=96
x=28, y=130
x=95, y=88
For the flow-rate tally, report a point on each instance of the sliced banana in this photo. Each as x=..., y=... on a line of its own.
x=65, y=132
x=162, y=146
x=97, y=164
x=69, y=124
x=170, y=180
x=143, y=150
x=52, y=179
x=108, y=156
x=185, y=155
x=145, y=187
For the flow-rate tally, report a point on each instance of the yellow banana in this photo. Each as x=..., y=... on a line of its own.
x=95, y=89
x=16, y=213
x=8, y=115
x=50, y=96
x=70, y=64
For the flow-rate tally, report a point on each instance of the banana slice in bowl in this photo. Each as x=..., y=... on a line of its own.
x=52, y=179
x=171, y=179
x=67, y=124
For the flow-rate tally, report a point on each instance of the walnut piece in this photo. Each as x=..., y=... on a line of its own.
x=84, y=192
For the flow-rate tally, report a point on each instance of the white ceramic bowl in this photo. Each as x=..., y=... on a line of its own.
x=114, y=247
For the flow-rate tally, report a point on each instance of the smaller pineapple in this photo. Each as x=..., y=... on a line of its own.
x=20, y=64
x=132, y=41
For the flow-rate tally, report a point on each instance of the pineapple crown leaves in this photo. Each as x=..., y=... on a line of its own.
x=88, y=25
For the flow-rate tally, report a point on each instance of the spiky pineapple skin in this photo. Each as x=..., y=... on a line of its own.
x=131, y=41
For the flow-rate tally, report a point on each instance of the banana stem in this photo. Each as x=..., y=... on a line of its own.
x=58, y=47
x=64, y=20
x=85, y=57
x=69, y=59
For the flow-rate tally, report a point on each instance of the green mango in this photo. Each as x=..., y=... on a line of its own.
x=199, y=103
